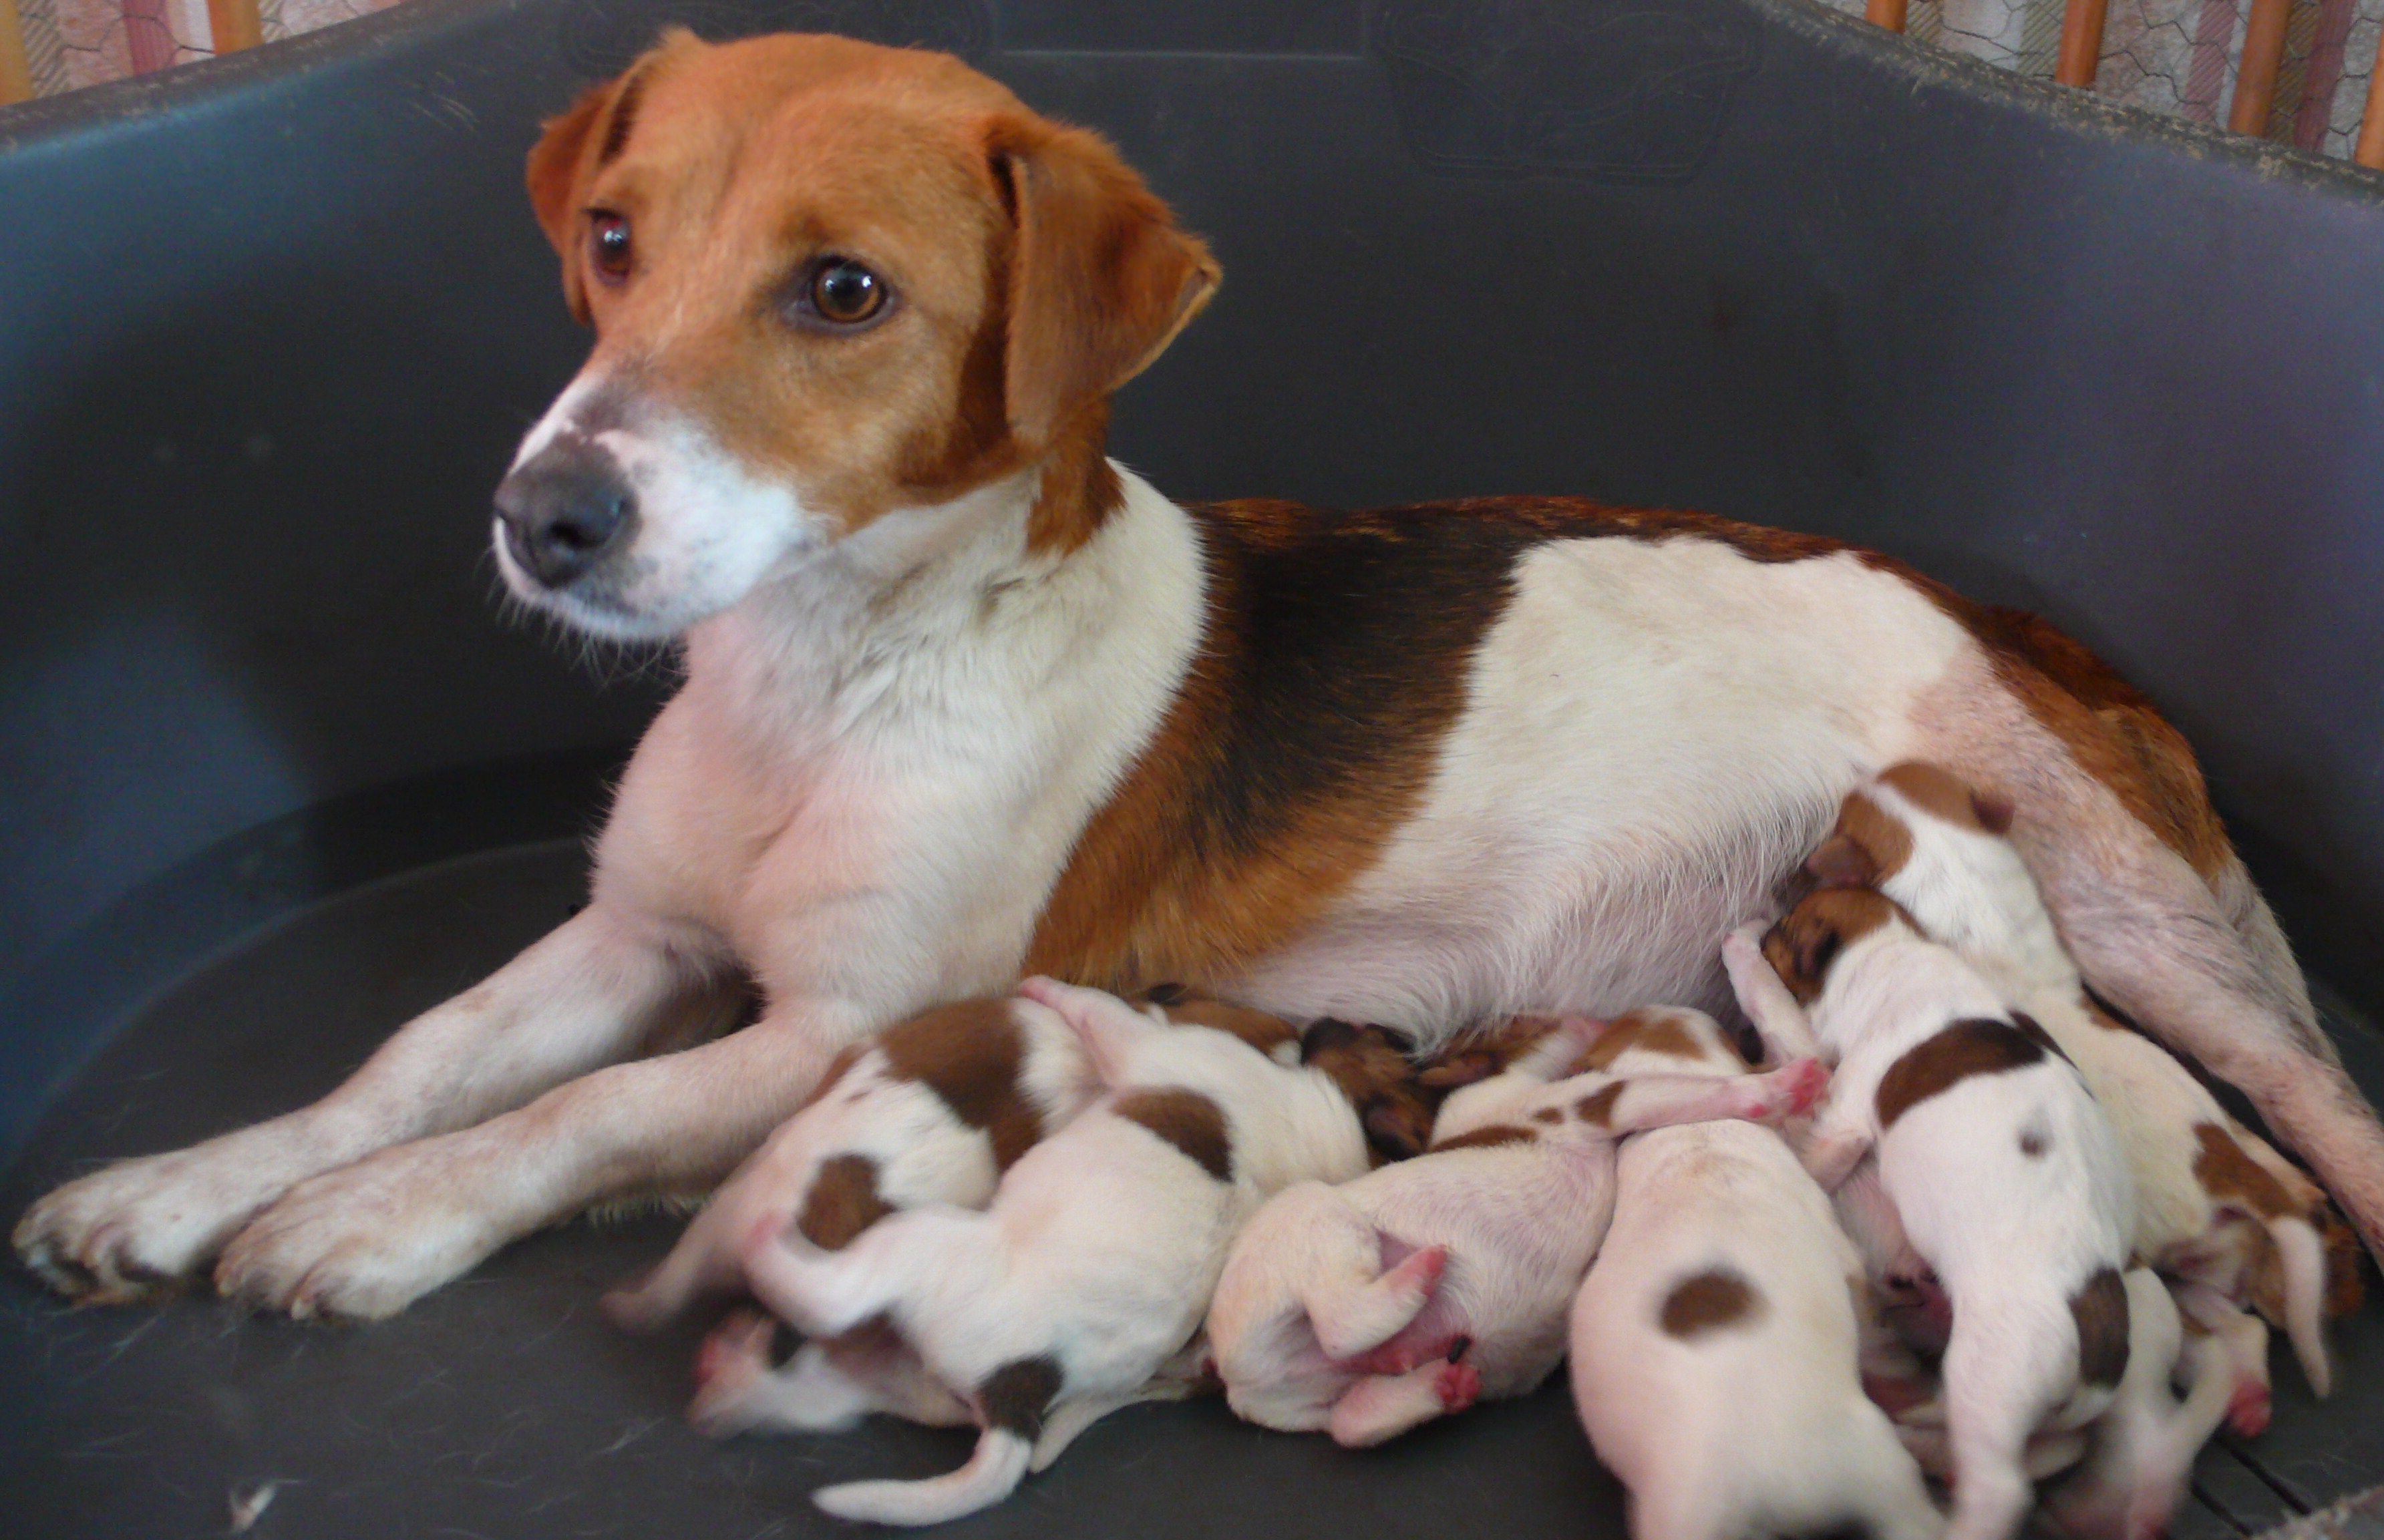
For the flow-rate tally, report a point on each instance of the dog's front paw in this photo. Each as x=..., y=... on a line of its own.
x=139, y=1228
x=360, y=1242
x=731, y=1371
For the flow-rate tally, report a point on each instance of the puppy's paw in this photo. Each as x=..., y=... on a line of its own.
x=1459, y=1385
x=139, y=1228
x=361, y=1243
x=2249, y=1408
x=731, y=1369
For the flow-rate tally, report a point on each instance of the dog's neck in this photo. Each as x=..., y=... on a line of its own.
x=876, y=625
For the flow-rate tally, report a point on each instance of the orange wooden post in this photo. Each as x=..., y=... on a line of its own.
x=1885, y=13
x=16, y=69
x=2082, y=42
x=2255, y=80
x=2370, y=152
x=235, y=24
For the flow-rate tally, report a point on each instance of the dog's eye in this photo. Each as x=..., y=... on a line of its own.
x=846, y=293
x=608, y=245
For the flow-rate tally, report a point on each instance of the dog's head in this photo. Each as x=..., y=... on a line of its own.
x=831, y=284
x=1810, y=938
x=1373, y=1071
x=1877, y=823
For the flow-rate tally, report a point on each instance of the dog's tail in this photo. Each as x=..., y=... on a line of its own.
x=991, y=1474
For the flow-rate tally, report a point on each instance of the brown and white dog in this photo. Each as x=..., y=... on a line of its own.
x=2216, y=1208
x=1091, y=1270
x=963, y=698
x=1716, y=1341
x=1367, y=1308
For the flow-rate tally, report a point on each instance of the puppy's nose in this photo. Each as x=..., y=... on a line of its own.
x=563, y=509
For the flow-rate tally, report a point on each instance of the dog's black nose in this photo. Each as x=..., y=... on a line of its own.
x=563, y=509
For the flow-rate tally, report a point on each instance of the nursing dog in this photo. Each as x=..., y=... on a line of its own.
x=966, y=698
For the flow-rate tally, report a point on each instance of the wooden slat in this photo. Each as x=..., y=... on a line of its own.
x=2256, y=78
x=235, y=24
x=1885, y=13
x=2082, y=42
x=16, y=69
x=2370, y=152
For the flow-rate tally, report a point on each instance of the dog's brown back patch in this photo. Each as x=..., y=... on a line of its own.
x=1192, y=1123
x=1650, y=1030
x=1490, y=1136
x=1018, y=1396
x=1597, y=1107
x=843, y=1202
x=1708, y=1302
x=2101, y=1310
x=2229, y=1175
x=1548, y=1114
x=1968, y=1047
x=970, y=1054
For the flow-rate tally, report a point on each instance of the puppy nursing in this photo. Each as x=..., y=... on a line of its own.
x=1095, y=1264
x=1369, y=1307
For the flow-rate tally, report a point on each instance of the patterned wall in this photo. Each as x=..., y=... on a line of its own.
x=2173, y=56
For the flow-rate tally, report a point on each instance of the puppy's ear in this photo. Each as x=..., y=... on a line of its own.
x=1325, y=1036
x=571, y=147
x=1797, y=955
x=1100, y=277
x=1993, y=813
x=1398, y=1127
x=1841, y=863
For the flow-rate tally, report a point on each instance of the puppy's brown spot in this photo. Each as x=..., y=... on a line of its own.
x=1709, y=1301
x=1187, y=1119
x=1649, y=1030
x=1548, y=1114
x=843, y=1202
x=2101, y=1310
x=970, y=1053
x=1808, y=937
x=1018, y=1396
x=2033, y=1030
x=1869, y=846
x=1490, y=1136
x=1597, y=1107
x=2228, y=1175
x=1942, y=794
x=2032, y=1144
x=1945, y=1060
x=1393, y=1105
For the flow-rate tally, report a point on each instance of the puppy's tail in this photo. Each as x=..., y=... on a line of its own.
x=991, y=1474
x=2300, y=1255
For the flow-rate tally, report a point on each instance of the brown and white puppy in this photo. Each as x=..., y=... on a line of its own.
x=1716, y=1340
x=1090, y=1271
x=2004, y=1174
x=964, y=699
x=2216, y=1208
x=1367, y=1308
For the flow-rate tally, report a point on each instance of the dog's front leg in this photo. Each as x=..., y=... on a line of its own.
x=585, y=995
x=366, y=1240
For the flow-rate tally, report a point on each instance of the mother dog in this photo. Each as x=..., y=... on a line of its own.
x=964, y=697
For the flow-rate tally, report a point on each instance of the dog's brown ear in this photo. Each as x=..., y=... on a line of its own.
x=1841, y=861
x=1100, y=277
x=1324, y=1035
x=1398, y=1127
x=1459, y=1069
x=561, y=157
x=1993, y=813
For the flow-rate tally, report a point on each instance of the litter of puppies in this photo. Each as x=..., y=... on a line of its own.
x=2002, y=1240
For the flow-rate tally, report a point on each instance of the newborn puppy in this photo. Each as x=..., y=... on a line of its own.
x=1716, y=1340
x=1371, y=1307
x=1093, y=1266
x=2004, y=1173
x=2216, y=1208
x=932, y=1112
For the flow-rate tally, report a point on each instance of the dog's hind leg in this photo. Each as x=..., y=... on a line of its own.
x=1381, y=1407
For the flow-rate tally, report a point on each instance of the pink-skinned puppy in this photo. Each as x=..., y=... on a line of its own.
x=1715, y=1342
x=1367, y=1308
x=2217, y=1210
x=2005, y=1176
x=1086, y=1278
